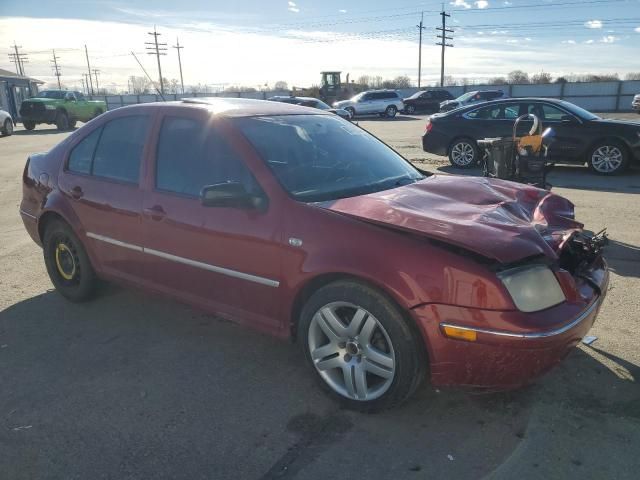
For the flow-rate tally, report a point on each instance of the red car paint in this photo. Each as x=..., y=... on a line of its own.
x=432, y=246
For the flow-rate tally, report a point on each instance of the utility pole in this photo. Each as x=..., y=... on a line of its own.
x=56, y=69
x=157, y=49
x=82, y=80
x=19, y=59
x=96, y=72
x=420, y=28
x=89, y=69
x=443, y=41
x=178, y=47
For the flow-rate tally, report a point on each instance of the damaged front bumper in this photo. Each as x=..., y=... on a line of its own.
x=511, y=348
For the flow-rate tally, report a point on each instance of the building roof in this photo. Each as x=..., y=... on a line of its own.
x=9, y=74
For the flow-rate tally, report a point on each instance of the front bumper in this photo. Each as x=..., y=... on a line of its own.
x=46, y=116
x=512, y=348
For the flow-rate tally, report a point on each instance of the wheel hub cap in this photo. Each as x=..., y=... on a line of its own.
x=65, y=261
x=606, y=159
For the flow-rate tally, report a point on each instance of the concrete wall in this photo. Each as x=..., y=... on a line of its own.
x=597, y=96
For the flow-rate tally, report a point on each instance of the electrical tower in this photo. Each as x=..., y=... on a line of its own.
x=177, y=46
x=157, y=49
x=443, y=41
x=19, y=59
x=89, y=70
x=420, y=28
x=56, y=69
x=95, y=73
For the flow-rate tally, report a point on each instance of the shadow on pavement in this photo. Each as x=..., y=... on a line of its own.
x=134, y=385
x=623, y=258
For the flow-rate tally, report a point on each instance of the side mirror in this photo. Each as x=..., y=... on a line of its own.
x=231, y=195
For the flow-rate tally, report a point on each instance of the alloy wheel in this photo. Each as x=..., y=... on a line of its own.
x=463, y=154
x=411, y=109
x=607, y=159
x=351, y=351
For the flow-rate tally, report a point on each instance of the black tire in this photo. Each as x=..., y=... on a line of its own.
x=67, y=263
x=29, y=124
x=410, y=109
x=464, y=153
x=410, y=364
x=7, y=128
x=619, y=160
x=391, y=111
x=72, y=123
x=352, y=111
x=62, y=121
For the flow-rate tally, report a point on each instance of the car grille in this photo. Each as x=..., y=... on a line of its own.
x=28, y=108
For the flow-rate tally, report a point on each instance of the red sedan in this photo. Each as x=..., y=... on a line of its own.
x=300, y=224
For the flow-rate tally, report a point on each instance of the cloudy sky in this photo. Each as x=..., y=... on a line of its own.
x=254, y=42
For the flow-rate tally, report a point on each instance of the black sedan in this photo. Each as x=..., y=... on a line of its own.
x=607, y=146
x=426, y=101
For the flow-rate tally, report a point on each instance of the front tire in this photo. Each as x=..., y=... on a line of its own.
x=391, y=111
x=410, y=109
x=463, y=153
x=352, y=111
x=360, y=347
x=62, y=121
x=7, y=129
x=67, y=263
x=608, y=157
x=29, y=124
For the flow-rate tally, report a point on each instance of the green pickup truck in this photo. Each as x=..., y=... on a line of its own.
x=63, y=108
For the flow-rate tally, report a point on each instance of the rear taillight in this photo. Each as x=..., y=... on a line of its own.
x=429, y=127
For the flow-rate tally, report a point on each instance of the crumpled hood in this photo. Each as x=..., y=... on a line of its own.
x=501, y=220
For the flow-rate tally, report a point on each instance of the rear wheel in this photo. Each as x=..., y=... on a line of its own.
x=7, y=128
x=67, y=262
x=463, y=153
x=608, y=158
x=72, y=123
x=62, y=121
x=391, y=111
x=360, y=347
x=29, y=124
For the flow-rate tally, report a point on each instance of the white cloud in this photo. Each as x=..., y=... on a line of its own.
x=292, y=4
x=481, y=4
x=589, y=42
x=609, y=39
x=593, y=24
x=569, y=42
x=506, y=3
x=460, y=3
x=637, y=30
x=342, y=10
x=294, y=9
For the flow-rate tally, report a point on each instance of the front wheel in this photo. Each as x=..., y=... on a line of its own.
x=29, y=124
x=410, y=109
x=7, y=129
x=391, y=111
x=463, y=153
x=608, y=158
x=360, y=347
x=67, y=262
x=352, y=111
x=62, y=121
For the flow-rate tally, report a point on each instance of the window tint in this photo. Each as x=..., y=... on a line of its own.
x=390, y=95
x=192, y=155
x=82, y=154
x=120, y=148
x=552, y=113
x=496, y=112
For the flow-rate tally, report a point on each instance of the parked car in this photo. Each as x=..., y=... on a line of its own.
x=426, y=101
x=471, y=98
x=62, y=108
x=313, y=103
x=6, y=123
x=305, y=226
x=635, y=104
x=386, y=103
x=607, y=146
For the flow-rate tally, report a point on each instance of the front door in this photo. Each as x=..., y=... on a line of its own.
x=225, y=259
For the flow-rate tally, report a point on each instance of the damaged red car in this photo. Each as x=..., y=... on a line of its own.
x=305, y=226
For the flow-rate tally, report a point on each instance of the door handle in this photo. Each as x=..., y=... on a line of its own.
x=76, y=192
x=155, y=213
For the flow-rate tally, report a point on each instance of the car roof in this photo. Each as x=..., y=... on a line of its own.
x=233, y=107
x=507, y=100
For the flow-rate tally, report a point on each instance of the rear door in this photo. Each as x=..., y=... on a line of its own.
x=226, y=259
x=101, y=178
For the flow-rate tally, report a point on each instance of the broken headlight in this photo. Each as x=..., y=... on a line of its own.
x=532, y=288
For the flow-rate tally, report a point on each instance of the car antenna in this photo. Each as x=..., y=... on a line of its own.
x=145, y=72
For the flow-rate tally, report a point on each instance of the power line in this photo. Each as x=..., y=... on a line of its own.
x=443, y=41
x=178, y=47
x=19, y=59
x=157, y=49
x=56, y=69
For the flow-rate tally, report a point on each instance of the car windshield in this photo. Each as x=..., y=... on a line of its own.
x=357, y=97
x=416, y=95
x=320, y=157
x=56, y=94
x=321, y=105
x=465, y=97
x=579, y=111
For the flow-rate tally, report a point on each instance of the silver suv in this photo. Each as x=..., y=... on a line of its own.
x=385, y=103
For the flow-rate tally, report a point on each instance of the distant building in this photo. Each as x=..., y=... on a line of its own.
x=15, y=88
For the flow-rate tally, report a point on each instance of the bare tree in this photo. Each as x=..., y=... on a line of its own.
x=632, y=76
x=281, y=85
x=497, y=81
x=139, y=85
x=518, y=77
x=542, y=77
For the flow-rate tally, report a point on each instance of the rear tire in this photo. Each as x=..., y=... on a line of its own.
x=391, y=111
x=72, y=124
x=29, y=125
x=7, y=129
x=67, y=262
x=360, y=347
x=464, y=153
x=62, y=121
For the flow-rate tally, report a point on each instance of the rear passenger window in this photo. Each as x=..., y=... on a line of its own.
x=119, y=151
x=82, y=154
x=192, y=155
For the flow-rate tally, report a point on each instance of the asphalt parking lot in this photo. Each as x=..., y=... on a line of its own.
x=133, y=386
